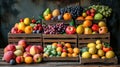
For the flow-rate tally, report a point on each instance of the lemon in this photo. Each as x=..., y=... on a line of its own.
x=27, y=21
x=86, y=55
x=110, y=54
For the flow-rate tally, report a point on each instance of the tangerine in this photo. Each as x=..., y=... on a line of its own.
x=70, y=50
x=89, y=18
x=68, y=45
x=76, y=50
x=67, y=16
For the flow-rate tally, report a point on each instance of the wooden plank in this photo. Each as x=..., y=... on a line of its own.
x=99, y=61
x=24, y=35
x=59, y=36
x=28, y=40
x=92, y=40
x=60, y=59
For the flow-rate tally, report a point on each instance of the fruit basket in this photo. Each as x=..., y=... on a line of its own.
x=30, y=38
x=97, y=52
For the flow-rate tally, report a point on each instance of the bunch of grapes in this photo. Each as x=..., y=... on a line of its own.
x=104, y=10
x=75, y=10
x=58, y=28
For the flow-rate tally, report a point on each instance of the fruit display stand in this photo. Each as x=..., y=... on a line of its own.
x=30, y=38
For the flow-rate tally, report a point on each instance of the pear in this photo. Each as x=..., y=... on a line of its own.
x=80, y=29
x=87, y=30
x=46, y=12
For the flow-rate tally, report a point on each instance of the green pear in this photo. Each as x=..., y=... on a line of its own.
x=46, y=12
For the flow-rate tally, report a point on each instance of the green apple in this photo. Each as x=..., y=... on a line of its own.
x=98, y=16
x=53, y=52
x=59, y=53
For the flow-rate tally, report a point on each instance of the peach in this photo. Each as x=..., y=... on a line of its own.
x=19, y=59
x=22, y=43
x=8, y=56
x=25, y=54
x=34, y=50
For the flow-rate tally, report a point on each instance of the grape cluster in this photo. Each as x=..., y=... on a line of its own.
x=74, y=10
x=58, y=28
x=104, y=10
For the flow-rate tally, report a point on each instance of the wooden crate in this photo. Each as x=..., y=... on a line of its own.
x=84, y=39
x=50, y=38
x=99, y=61
x=30, y=38
x=61, y=59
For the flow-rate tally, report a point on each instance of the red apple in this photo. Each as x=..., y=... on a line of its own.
x=64, y=50
x=59, y=45
x=8, y=56
x=10, y=47
x=22, y=43
x=88, y=12
x=21, y=20
x=34, y=50
x=95, y=27
x=40, y=48
x=20, y=31
x=33, y=21
x=19, y=59
x=14, y=30
x=37, y=58
x=70, y=30
x=27, y=49
x=92, y=14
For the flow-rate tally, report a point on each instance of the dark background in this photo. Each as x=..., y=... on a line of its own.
x=12, y=10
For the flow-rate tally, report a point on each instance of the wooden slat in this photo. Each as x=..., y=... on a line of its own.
x=59, y=40
x=28, y=40
x=98, y=60
x=24, y=35
x=93, y=40
x=59, y=36
x=59, y=59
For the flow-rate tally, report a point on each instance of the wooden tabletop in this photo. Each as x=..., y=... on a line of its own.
x=52, y=64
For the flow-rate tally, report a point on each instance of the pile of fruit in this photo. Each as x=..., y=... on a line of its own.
x=27, y=26
x=97, y=50
x=22, y=53
x=88, y=27
x=61, y=50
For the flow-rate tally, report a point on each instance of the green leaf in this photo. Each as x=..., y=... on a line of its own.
x=41, y=17
x=72, y=23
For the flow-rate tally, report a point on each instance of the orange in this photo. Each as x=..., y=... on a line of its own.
x=28, y=29
x=76, y=50
x=54, y=44
x=70, y=50
x=80, y=18
x=59, y=49
x=68, y=45
x=48, y=17
x=74, y=55
x=64, y=54
x=95, y=56
x=67, y=16
x=69, y=55
x=87, y=23
x=28, y=60
x=89, y=18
